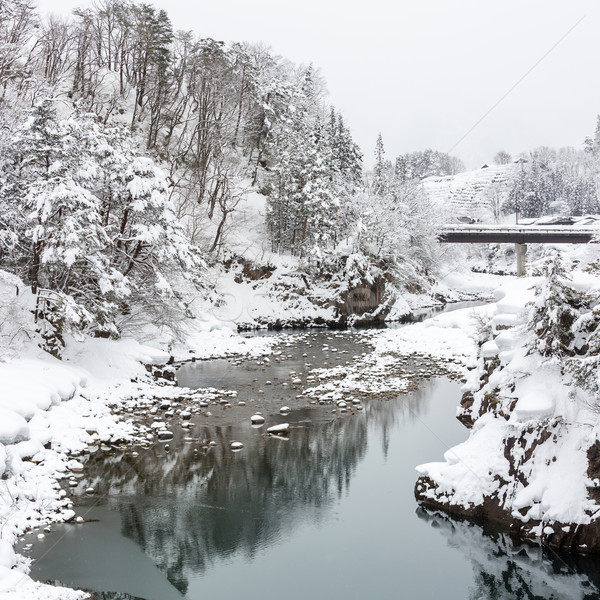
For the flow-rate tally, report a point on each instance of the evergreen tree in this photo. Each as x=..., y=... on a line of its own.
x=94, y=220
x=592, y=145
x=303, y=204
x=349, y=156
x=58, y=209
x=556, y=307
x=585, y=366
x=381, y=168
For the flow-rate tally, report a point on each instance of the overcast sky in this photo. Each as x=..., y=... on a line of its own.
x=425, y=72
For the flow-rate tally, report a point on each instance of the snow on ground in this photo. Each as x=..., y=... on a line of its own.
x=470, y=194
x=442, y=345
x=15, y=585
x=275, y=291
x=536, y=421
x=476, y=284
x=280, y=295
x=451, y=335
x=259, y=288
x=443, y=337
x=52, y=411
x=43, y=418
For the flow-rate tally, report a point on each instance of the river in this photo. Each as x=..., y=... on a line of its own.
x=328, y=512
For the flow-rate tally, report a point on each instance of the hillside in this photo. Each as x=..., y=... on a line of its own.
x=477, y=195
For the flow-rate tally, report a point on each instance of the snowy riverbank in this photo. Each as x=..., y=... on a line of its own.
x=530, y=462
x=62, y=410
x=53, y=411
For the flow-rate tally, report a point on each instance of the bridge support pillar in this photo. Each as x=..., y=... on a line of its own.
x=520, y=251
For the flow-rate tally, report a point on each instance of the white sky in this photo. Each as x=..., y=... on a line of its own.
x=424, y=72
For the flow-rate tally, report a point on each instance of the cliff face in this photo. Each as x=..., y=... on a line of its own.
x=532, y=460
x=285, y=292
x=513, y=497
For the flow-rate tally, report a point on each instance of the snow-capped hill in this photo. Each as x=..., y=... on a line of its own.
x=475, y=194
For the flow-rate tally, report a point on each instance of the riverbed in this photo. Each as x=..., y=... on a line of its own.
x=326, y=511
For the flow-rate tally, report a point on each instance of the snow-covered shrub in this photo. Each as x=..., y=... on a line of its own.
x=556, y=308
x=483, y=327
x=584, y=367
x=565, y=323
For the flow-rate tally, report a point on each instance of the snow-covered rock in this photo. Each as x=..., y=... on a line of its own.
x=490, y=349
x=532, y=459
x=281, y=429
x=8, y=558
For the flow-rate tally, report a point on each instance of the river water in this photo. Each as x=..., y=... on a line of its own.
x=327, y=513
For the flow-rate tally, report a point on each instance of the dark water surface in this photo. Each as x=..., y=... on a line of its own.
x=327, y=514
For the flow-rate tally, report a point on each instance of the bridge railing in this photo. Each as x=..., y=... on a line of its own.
x=524, y=229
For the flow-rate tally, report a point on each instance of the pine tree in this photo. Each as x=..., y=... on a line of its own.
x=349, y=155
x=380, y=170
x=302, y=207
x=592, y=145
x=556, y=307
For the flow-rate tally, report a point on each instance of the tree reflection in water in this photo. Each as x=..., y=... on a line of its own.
x=505, y=570
x=186, y=509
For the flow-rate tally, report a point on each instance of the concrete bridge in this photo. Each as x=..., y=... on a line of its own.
x=519, y=235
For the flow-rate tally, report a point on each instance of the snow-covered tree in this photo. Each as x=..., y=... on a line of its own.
x=555, y=309
x=92, y=220
x=17, y=27
x=555, y=182
x=502, y=157
x=381, y=169
x=302, y=207
x=592, y=145
x=425, y=163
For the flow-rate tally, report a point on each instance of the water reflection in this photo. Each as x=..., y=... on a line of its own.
x=188, y=509
x=503, y=569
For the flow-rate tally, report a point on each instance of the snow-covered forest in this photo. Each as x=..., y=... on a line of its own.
x=129, y=153
x=132, y=156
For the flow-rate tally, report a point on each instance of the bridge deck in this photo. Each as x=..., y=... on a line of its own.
x=472, y=234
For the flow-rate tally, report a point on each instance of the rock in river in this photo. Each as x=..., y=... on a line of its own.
x=282, y=429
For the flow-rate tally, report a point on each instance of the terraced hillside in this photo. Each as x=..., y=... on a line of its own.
x=475, y=194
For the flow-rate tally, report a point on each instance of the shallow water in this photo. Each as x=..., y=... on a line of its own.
x=328, y=513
